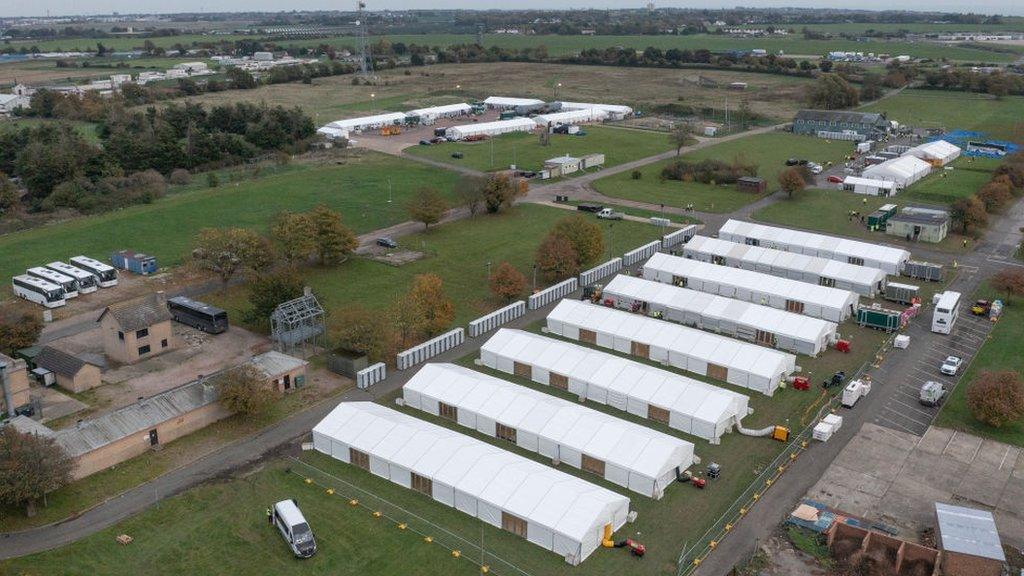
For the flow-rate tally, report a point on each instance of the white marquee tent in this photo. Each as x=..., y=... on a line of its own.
x=508, y=102
x=811, y=269
x=332, y=133
x=735, y=318
x=937, y=152
x=495, y=128
x=869, y=186
x=445, y=111
x=717, y=357
x=549, y=508
x=685, y=404
x=830, y=304
x=613, y=110
x=888, y=259
x=368, y=122
x=624, y=453
x=570, y=117
x=904, y=170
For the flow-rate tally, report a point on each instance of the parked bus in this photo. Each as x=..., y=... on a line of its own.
x=198, y=314
x=38, y=290
x=86, y=282
x=105, y=274
x=69, y=284
x=947, y=310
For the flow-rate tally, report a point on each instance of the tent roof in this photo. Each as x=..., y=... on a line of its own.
x=935, y=149
x=510, y=101
x=904, y=167
x=610, y=108
x=484, y=127
x=534, y=492
x=385, y=118
x=859, y=181
x=443, y=109
x=624, y=444
x=569, y=115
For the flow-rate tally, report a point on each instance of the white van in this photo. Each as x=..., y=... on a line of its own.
x=294, y=528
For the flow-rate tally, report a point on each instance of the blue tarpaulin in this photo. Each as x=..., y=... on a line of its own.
x=976, y=144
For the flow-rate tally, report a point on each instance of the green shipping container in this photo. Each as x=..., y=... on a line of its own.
x=879, y=318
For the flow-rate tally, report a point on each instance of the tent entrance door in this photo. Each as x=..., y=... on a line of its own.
x=522, y=370
x=639, y=349
x=657, y=414
x=591, y=464
x=558, y=381
x=718, y=372
x=513, y=524
x=588, y=336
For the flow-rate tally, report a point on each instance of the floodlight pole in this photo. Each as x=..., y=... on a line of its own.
x=389, y=189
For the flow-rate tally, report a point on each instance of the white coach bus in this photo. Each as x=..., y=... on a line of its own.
x=104, y=273
x=38, y=290
x=87, y=282
x=947, y=310
x=69, y=284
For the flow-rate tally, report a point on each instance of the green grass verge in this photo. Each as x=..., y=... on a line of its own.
x=947, y=186
x=642, y=213
x=619, y=145
x=999, y=119
x=768, y=151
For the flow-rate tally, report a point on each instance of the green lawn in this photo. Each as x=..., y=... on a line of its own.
x=768, y=151
x=619, y=145
x=956, y=111
x=1001, y=352
x=459, y=253
x=359, y=189
x=947, y=186
x=630, y=211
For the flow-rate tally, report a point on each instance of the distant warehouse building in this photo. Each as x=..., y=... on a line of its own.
x=921, y=224
x=869, y=126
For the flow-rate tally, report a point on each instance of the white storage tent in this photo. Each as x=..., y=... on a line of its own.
x=332, y=133
x=869, y=186
x=863, y=280
x=717, y=357
x=502, y=102
x=549, y=508
x=445, y=111
x=613, y=110
x=685, y=404
x=830, y=304
x=735, y=318
x=368, y=122
x=624, y=453
x=904, y=170
x=938, y=152
x=886, y=258
x=570, y=117
x=495, y=128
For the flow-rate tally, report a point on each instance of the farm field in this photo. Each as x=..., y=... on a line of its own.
x=768, y=151
x=946, y=186
x=42, y=71
x=1009, y=24
x=999, y=119
x=619, y=145
x=124, y=43
x=359, y=189
x=458, y=252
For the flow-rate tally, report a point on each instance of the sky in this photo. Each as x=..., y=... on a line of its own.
x=78, y=7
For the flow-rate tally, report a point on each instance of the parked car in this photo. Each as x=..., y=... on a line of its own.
x=424, y=142
x=589, y=207
x=951, y=365
x=795, y=162
x=293, y=527
x=387, y=242
x=457, y=155
x=609, y=214
x=932, y=393
x=814, y=167
x=833, y=179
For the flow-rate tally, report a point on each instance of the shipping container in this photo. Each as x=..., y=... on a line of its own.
x=878, y=218
x=923, y=270
x=134, y=262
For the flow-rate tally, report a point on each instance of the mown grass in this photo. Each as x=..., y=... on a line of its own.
x=947, y=186
x=999, y=119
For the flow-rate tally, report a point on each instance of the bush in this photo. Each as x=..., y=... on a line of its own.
x=179, y=177
x=636, y=174
x=708, y=171
x=244, y=390
x=212, y=180
x=996, y=398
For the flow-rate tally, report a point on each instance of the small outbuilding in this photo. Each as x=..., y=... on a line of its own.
x=71, y=372
x=751, y=184
x=283, y=372
x=919, y=224
x=969, y=541
x=137, y=329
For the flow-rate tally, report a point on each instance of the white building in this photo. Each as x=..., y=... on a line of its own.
x=495, y=128
x=863, y=280
x=886, y=258
x=717, y=357
x=904, y=170
x=9, y=103
x=614, y=111
x=193, y=68
x=570, y=117
x=551, y=509
x=627, y=454
x=445, y=111
x=367, y=122
x=937, y=153
x=868, y=186
x=504, y=103
x=734, y=318
x=684, y=404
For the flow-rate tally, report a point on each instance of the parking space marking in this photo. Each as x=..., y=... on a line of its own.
x=900, y=426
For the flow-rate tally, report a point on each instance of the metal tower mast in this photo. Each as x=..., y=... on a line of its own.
x=365, y=58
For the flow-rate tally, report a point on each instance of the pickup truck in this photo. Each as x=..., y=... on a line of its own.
x=609, y=214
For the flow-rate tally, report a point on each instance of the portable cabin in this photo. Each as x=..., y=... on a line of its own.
x=751, y=184
x=876, y=220
x=135, y=262
x=879, y=318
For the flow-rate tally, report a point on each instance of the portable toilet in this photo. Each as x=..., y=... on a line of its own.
x=134, y=262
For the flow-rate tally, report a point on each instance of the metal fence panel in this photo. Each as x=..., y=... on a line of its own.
x=680, y=236
x=642, y=253
x=549, y=295
x=430, y=348
x=597, y=272
x=371, y=375
x=501, y=316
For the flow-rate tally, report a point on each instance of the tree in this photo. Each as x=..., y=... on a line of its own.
x=585, y=236
x=428, y=206
x=996, y=398
x=271, y=288
x=227, y=251
x=831, y=92
x=30, y=467
x=996, y=194
x=506, y=282
x=425, y=310
x=680, y=136
x=8, y=194
x=470, y=192
x=179, y=177
x=556, y=258
x=295, y=236
x=1009, y=281
x=871, y=87
x=500, y=192
x=245, y=391
x=791, y=181
x=360, y=330
x=969, y=213
x=334, y=240
x=19, y=332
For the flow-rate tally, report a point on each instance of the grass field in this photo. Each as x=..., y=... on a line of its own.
x=39, y=71
x=1001, y=352
x=358, y=188
x=768, y=151
x=1010, y=24
x=459, y=253
x=619, y=145
x=946, y=186
x=1000, y=119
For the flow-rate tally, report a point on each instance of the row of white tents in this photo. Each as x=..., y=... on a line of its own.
x=736, y=318
x=495, y=128
x=912, y=165
x=863, y=280
x=830, y=304
x=683, y=403
x=552, y=509
x=627, y=454
x=886, y=258
x=717, y=357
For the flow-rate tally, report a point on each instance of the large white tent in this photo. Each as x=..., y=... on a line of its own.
x=614, y=110
x=495, y=128
x=570, y=117
x=332, y=133
x=444, y=111
x=502, y=102
x=904, y=170
x=869, y=186
x=863, y=280
x=830, y=304
x=685, y=404
x=550, y=508
x=717, y=357
x=938, y=152
x=368, y=122
x=624, y=453
x=735, y=318
x=890, y=260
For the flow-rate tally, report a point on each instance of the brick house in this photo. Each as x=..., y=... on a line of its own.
x=137, y=329
x=15, y=379
x=71, y=372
